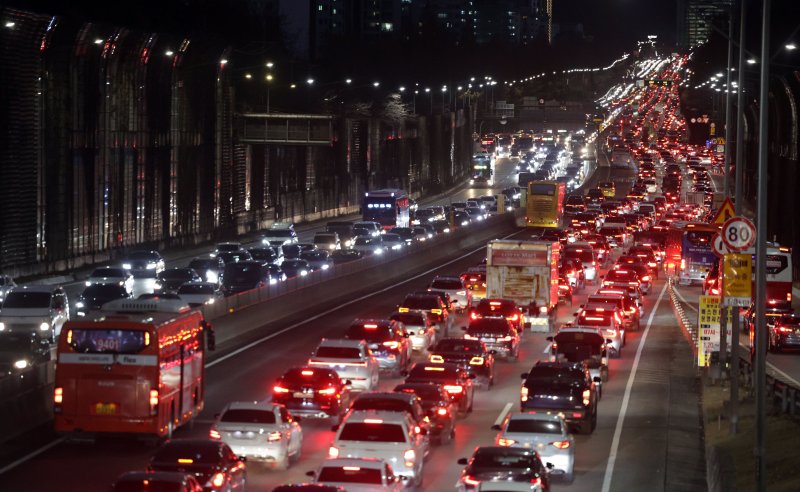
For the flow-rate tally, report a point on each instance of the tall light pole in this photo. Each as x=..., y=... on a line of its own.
x=728, y=102
x=428, y=90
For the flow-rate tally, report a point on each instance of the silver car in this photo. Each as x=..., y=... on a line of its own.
x=546, y=433
x=40, y=309
x=421, y=329
x=358, y=475
x=455, y=287
x=259, y=431
x=351, y=359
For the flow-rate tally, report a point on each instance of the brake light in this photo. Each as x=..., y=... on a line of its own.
x=453, y=389
x=783, y=329
x=402, y=310
x=506, y=338
x=471, y=481
x=391, y=345
x=274, y=436
x=523, y=393
x=371, y=326
x=214, y=435
x=789, y=297
x=409, y=457
x=473, y=315
x=327, y=391
x=587, y=397
x=536, y=482
x=218, y=480
x=515, y=317
x=437, y=359
x=611, y=333
x=279, y=389
x=494, y=303
x=646, y=278
x=307, y=373
x=561, y=444
x=58, y=396
x=469, y=337
x=436, y=311
x=461, y=293
x=373, y=421
x=437, y=369
x=333, y=452
x=652, y=264
x=441, y=411
x=502, y=441
x=153, y=402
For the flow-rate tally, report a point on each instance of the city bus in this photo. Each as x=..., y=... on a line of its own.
x=545, y=204
x=697, y=255
x=482, y=170
x=779, y=275
x=131, y=371
x=389, y=208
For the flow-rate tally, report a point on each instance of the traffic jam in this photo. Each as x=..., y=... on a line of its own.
x=513, y=347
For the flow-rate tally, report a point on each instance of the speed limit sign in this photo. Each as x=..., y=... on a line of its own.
x=738, y=233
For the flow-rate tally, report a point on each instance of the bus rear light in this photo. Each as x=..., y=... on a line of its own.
x=153, y=402
x=58, y=398
x=214, y=435
x=788, y=297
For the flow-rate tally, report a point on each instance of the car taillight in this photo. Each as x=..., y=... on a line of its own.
x=454, y=389
x=274, y=436
x=646, y=278
x=611, y=333
x=473, y=315
x=437, y=359
x=279, y=389
x=327, y=391
x=442, y=411
x=218, y=480
x=502, y=441
x=536, y=482
x=469, y=337
x=333, y=452
x=561, y=444
x=523, y=394
x=392, y=345
x=436, y=311
x=586, y=397
x=214, y=435
x=683, y=264
x=468, y=480
x=153, y=402
x=476, y=361
x=515, y=317
x=783, y=329
x=409, y=457
x=789, y=297
x=652, y=264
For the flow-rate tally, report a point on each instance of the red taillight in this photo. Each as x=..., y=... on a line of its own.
x=153, y=402
x=392, y=345
x=274, y=436
x=473, y=315
x=279, y=389
x=442, y=411
x=513, y=318
x=561, y=444
x=454, y=389
x=58, y=399
x=327, y=391
x=218, y=480
x=214, y=435
x=333, y=452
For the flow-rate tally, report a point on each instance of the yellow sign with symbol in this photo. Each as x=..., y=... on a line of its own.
x=708, y=334
x=725, y=212
x=737, y=271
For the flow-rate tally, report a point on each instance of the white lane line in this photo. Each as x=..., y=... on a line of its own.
x=502, y=416
x=31, y=455
x=343, y=305
x=683, y=299
x=612, y=456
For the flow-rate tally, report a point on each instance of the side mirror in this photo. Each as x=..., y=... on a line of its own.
x=242, y=459
x=462, y=461
x=597, y=379
x=496, y=427
x=609, y=341
x=310, y=474
x=549, y=465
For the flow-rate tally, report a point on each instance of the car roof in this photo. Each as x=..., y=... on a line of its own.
x=505, y=450
x=340, y=342
x=251, y=405
x=388, y=395
x=161, y=476
x=36, y=288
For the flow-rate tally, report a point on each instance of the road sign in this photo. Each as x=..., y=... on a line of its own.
x=739, y=233
x=725, y=212
x=708, y=321
x=718, y=245
x=737, y=272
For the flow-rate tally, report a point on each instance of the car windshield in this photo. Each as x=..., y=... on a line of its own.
x=108, y=291
x=203, y=264
x=235, y=257
x=248, y=416
x=425, y=392
x=108, y=341
x=372, y=432
x=280, y=233
x=363, y=241
x=229, y=247
x=108, y=272
x=196, y=289
x=263, y=254
x=446, y=284
x=493, y=326
x=291, y=264
x=242, y=273
x=315, y=255
x=426, y=302
x=533, y=426
x=15, y=343
x=324, y=239
x=457, y=345
x=392, y=238
x=338, y=352
x=194, y=452
x=350, y=474
x=143, y=255
x=22, y=299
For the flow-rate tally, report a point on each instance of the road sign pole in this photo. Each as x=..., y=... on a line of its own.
x=761, y=258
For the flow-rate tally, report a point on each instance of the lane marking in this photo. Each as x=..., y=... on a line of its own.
x=502, y=416
x=612, y=456
x=31, y=455
x=690, y=306
x=345, y=304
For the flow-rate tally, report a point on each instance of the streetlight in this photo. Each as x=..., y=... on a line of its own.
x=10, y=24
x=270, y=64
x=790, y=46
x=402, y=88
x=376, y=84
x=269, y=86
x=248, y=76
x=752, y=61
x=169, y=53
x=348, y=81
x=428, y=91
x=309, y=81
x=98, y=41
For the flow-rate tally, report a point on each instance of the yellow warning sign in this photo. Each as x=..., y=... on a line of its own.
x=737, y=279
x=725, y=212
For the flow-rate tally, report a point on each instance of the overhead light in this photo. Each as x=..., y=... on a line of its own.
x=376, y=84
x=98, y=41
x=402, y=89
x=248, y=76
x=10, y=24
x=751, y=61
x=348, y=81
x=169, y=53
x=791, y=46
x=270, y=64
x=269, y=77
x=293, y=86
x=309, y=81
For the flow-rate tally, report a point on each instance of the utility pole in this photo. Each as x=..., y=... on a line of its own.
x=761, y=257
x=734, y=405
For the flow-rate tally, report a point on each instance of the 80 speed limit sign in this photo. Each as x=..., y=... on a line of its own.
x=738, y=233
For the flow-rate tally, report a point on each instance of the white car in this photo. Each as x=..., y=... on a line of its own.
x=111, y=275
x=393, y=241
x=279, y=234
x=260, y=431
x=454, y=286
x=144, y=263
x=374, y=228
x=369, y=245
x=358, y=475
x=546, y=433
x=420, y=328
x=351, y=359
x=40, y=309
x=389, y=436
x=199, y=294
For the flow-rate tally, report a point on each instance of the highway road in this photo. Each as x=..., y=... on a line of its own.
x=647, y=436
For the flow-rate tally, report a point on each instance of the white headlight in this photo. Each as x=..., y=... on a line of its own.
x=2, y=326
x=212, y=276
x=21, y=364
x=272, y=281
x=210, y=301
x=44, y=326
x=126, y=266
x=151, y=266
x=378, y=251
x=325, y=267
x=88, y=283
x=79, y=304
x=303, y=272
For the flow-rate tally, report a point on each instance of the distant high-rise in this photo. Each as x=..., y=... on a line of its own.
x=696, y=17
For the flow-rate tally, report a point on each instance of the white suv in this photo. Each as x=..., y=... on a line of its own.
x=454, y=286
x=364, y=474
x=351, y=359
x=41, y=309
x=390, y=436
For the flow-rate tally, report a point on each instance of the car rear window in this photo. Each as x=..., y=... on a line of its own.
x=533, y=426
x=196, y=289
x=495, y=460
x=555, y=374
x=427, y=302
x=446, y=284
x=585, y=255
x=339, y=352
x=496, y=326
x=350, y=474
x=457, y=345
x=248, y=416
x=388, y=404
x=413, y=319
x=427, y=372
x=372, y=432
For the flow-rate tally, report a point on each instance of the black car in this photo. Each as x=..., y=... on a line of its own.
x=242, y=276
x=93, y=297
x=405, y=233
x=503, y=463
x=170, y=279
x=291, y=251
x=265, y=255
x=308, y=487
x=565, y=387
x=213, y=463
x=471, y=355
x=230, y=257
x=150, y=481
x=498, y=334
x=20, y=351
x=296, y=268
x=209, y=268
x=456, y=381
x=436, y=406
x=393, y=402
x=143, y=263
x=346, y=256
x=312, y=392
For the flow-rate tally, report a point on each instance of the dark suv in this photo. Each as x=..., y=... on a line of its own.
x=497, y=334
x=312, y=392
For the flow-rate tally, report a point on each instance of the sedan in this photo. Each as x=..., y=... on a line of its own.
x=393, y=241
x=171, y=279
x=260, y=431
x=144, y=263
x=500, y=463
x=93, y=297
x=547, y=434
x=296, y=268
x=200, y=293
x=318, y=259
x=369, y=245
x=359, y=474
x=111, y=275
x=213, y=463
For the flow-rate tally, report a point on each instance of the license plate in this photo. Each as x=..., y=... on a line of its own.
x=303, y=395
x=105, y=408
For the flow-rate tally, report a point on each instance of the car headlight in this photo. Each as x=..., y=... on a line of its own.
x=348, y=243
x=303, y=273
x=126, y=266
x=379, y=251
x=212, y=277
x=88, y=283
x=272, y=281
x=396, y=246
x=2, y=326
x=325, y=266
x=157, y=285
x=21, y=364
x=152, y=266
x=332, y=246
x=44, y=326
x=79, y=304
x=210, y=301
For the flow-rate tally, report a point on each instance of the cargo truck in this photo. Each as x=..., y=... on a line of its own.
x=525, y=272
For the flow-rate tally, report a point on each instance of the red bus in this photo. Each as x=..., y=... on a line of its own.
x=133, y=371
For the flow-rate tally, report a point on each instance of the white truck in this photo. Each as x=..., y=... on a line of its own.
x=527, y=273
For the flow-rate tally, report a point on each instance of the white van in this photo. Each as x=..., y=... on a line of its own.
x=41, y=309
